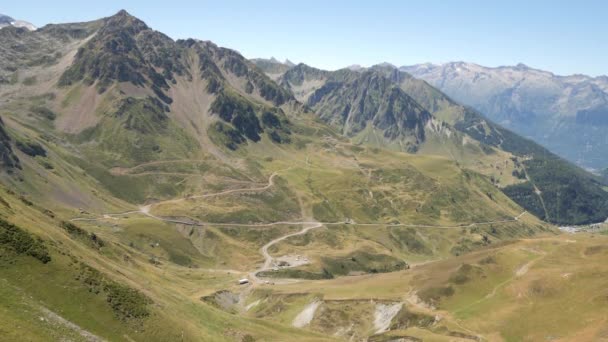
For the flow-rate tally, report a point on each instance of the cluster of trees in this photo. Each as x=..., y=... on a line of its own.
x=570, y=194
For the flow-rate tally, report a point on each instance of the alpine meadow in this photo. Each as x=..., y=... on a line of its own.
x=162, y=189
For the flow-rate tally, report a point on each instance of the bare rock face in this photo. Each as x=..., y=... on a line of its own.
x=354, y=101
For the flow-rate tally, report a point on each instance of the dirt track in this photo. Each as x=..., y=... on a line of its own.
x=264, y=250
x=307, y=225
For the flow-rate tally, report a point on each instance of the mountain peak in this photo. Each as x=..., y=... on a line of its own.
x=122, y=13
x=355, y=67
x=122, y=19
x=6, y=20
x=386, y=65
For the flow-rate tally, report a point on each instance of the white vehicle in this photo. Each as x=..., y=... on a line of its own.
x=243, y=281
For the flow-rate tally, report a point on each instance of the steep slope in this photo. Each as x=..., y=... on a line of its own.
x=567, y=114
x=9, y=162
x=21, y=48
x=106, y=96
x=358, y=104
x=272, y=67
x=539, y=191
x=155, y=174
x=124, y=49
x=586, y=199
x=118, y=95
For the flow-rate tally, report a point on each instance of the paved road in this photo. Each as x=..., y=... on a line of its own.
x=264, y=250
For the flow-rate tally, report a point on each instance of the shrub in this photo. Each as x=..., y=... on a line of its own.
x=44, y=112
x=239, y=112
x=26, y=201
x=271, y=120
x=127, y=303
x=226, y=135
x=22, y=242
x=31, y=148
x=28, y=81
x=82, y=234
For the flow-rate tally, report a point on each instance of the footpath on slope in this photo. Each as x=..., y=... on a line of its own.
x=306, y=224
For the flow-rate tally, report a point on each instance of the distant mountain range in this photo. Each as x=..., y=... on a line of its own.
x=567, y=114
x=5, y=20
x=142, y=178
x=389, y=108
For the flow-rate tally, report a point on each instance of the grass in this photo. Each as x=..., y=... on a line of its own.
x=485, y=289
x=108, y=303
x=332, y=184
x=161, y=240
x=347, y=319
x=134, y=277
x=18, y=310
x=16, y=240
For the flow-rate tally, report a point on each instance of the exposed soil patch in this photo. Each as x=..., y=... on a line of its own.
x=384, y=316
x=305, y=316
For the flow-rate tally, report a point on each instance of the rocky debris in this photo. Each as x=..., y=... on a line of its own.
x=384, y=315
x=305, y=316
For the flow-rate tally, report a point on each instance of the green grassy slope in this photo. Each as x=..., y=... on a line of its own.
x=151, y=180
x=570, y=194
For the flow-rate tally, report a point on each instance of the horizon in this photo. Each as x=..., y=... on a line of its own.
x=490, y=35
x=162, y=180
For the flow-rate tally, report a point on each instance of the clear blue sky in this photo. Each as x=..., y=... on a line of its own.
x=565, y=37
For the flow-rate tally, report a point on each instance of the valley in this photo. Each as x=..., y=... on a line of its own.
x=173, y=190
x=566, y=114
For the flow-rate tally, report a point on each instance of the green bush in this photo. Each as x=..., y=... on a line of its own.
x=362, y=262
x=126, y=302
x=31, y=148
x=79, y=233
x=223, y=134
x=271, y=120
x=433, y=295
x=22, y=242
x=296, y=274
x=240, y=112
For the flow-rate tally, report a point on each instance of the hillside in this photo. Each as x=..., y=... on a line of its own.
x=567, y=114
x=143, y=177
x=540, y=191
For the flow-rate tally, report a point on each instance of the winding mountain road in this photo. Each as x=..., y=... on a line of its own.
x=307, y=225
x=264, y=250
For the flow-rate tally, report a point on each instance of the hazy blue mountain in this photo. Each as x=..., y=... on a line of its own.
x=567, y=114
x=5, y=20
